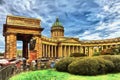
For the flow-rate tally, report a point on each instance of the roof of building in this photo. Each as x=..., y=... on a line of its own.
x=57, y=23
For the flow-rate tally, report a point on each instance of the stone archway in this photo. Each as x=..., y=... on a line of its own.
x=23, y=29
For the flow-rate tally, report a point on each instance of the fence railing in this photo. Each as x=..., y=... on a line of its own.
x=7, y=71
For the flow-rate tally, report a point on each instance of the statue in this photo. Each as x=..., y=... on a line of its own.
x=32, y=44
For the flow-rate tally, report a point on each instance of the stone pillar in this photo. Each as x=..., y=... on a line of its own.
x=65, y=51
x=43, y=51
x=73, y=49
x=87, y=50
x=83, y=49
x=90, y=51
x=60, y=51
x=97, y=48
x=46, y=51
x=69, y=51
x=106, y=46
x=10, y=51
x=49, y=51
x=101, y=47
x=52, y=51
x=55, y=51
x=38, y=46
x=25, y=49
x=78, y=49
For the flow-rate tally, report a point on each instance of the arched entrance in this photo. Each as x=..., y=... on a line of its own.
x=23, y=29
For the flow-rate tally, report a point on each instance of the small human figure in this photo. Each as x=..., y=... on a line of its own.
x=28, y=65
x=24, y=64
x=52, y=64
x=33, y=64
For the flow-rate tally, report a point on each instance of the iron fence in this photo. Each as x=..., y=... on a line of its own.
x=7, y=71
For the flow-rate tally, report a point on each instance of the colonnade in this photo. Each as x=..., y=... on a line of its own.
x=57, y=33
x=49, y=50
x=65, y=50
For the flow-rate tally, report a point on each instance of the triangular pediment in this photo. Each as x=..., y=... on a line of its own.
x=71, y=40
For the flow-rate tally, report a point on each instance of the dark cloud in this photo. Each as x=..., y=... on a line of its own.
x=82, y=18
x=2, y=2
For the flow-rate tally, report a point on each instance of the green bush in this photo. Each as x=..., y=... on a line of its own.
x=96, y=54
x=90, y=66
x=116, y=61
x=107, y=52
x=77, y=55
x=105, y=66
x=62, y=65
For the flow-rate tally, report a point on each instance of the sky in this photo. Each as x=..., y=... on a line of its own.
x=85, y=19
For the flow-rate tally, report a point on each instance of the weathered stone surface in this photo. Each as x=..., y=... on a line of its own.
x=21, y=28
x=22, y=21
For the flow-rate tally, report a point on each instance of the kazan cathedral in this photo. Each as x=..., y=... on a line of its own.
x=25, y=29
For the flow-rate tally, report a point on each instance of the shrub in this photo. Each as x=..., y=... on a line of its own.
x=96, y=54
x=107, y=52
x=77, y=55
x=90, y=66
x=105, y=66
x=116, y=61
x=62, y=65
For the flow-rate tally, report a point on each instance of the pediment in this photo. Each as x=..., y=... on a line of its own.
x=71, y=40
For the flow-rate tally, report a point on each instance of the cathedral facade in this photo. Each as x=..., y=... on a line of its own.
x=25, y=29
x=60, y=46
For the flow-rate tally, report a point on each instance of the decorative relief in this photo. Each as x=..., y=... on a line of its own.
x=21, y=21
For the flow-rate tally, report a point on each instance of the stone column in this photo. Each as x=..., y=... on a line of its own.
x=73, y=49
x=25, y=49
x=38, y=46
x=79, y=49
x=101, y=47
x=87, y=50
x=90, y=51
x=55, y=51
x=43, y=51
x=83, y=49
x=7, y=45
x=69, y=51
x=65, y=51
x=49, y=51
x=46, y=51
x=11, y=49
x=52, y=51
x=60, y=51
x=106, y=46
x=97, y=48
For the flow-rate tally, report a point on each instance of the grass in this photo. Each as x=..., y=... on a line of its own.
x=52, y=74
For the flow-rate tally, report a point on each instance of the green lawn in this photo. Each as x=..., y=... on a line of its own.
x=51, y=74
